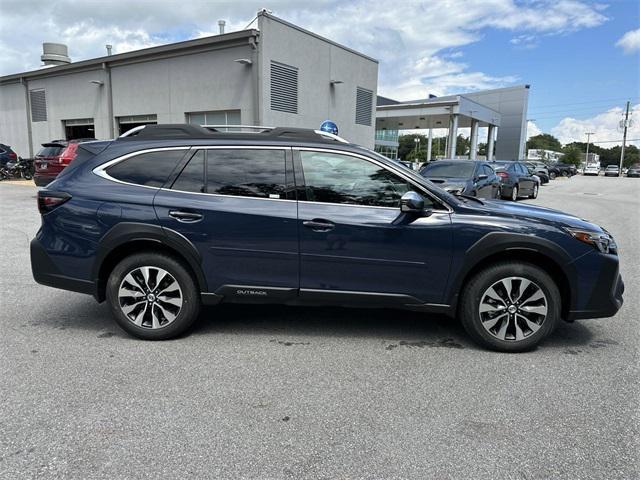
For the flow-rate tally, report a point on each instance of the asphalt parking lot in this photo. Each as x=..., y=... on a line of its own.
x=274, y=392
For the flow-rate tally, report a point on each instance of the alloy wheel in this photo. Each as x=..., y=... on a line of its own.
x=514, y=193
x=150, y=297
x=513, y=309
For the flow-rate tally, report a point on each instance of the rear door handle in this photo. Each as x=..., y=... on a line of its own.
x=319, y=225
x=186, y=217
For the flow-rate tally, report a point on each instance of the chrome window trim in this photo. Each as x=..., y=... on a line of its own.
x=229, y=196
x=393, y=170
x=100, y=170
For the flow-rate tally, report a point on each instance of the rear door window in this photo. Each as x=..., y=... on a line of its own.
x=246, y=172
x=149, y=169
x=192, y=178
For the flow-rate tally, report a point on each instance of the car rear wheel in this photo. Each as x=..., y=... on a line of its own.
x=552, y=175
x=514, y=193
x=510, y=307
x=153, y=296
x=534, y=194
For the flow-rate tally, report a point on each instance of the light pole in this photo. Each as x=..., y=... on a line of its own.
x=586, y=155
x=415, y=157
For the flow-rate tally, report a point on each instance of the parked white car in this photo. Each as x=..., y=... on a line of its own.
x=592, y=170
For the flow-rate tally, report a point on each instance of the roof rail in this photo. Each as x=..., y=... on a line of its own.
x=187, y=130
x=132, y=131
x=249, y=127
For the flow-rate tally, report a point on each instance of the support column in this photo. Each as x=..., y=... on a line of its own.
x=473, y=152
x=490, y=142
x=453, y=136
x=429, y=144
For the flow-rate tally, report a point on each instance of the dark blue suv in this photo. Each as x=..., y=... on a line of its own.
x=180, y=215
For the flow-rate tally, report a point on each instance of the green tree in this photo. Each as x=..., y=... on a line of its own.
x=572, y=155
x=544, y=141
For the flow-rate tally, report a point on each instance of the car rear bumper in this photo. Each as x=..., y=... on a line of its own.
x=46, y=273
x=42, y=180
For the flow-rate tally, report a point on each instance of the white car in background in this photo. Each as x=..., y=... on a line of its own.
x=592, y=170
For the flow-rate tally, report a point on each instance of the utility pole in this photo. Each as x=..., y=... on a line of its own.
x=624, y=137
x=586, y=156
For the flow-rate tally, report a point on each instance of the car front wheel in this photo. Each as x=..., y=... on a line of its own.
x=510, y=307
x=153, y=296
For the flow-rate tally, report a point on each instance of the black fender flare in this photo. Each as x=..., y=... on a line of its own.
x=498, y=242
x=126, y=232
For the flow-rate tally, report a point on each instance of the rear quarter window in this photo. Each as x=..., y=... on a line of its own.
x=151, y=169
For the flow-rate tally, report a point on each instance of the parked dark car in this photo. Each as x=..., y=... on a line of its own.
x=634, y=170
x=7, y=155
x=180, y=215
x=540, y=170
x=565, y=169
x=53, y=157
x=612, y=171
x=464, y=177
x=516, y=181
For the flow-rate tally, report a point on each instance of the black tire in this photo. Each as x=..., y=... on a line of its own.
x=478, y=285
x=514, y=193
x=566, y=174
x=552, y=175
x=534, y=194
x=190, y=295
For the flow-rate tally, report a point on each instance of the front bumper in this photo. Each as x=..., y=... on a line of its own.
x=605, y=298
x=46, y=273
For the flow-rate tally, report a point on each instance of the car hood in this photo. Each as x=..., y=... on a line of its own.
x=534, y=213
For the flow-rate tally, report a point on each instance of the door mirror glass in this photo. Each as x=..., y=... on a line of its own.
x=411, y=202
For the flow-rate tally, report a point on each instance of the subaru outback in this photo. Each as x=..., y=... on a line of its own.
x=179, y=216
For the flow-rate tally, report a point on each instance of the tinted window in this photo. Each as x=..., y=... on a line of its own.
x=335, y=178
x=50, y=151
x=488, y=170
x=191, y=179
x=449, y=169
x=151, y=169
x=246, y=173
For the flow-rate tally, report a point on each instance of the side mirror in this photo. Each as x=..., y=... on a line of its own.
x=412, y=202
x=483, y=176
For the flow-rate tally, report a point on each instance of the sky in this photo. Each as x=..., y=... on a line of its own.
x=581, y=57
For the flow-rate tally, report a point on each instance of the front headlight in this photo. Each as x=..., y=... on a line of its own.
x=603, y=241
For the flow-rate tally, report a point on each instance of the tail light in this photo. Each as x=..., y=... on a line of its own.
x=502, y=174
x=68, y=154
x=12, y=155
x=47, y=201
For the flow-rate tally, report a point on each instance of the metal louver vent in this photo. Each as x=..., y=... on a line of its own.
x=284, y=88
x=364, y=106
x=38, y=105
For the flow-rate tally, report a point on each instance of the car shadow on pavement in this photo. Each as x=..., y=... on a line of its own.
x=396, y=327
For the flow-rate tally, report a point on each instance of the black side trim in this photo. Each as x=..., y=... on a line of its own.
x=497, y=242
x=256, y=294
x=46, y=273
x=127, y=232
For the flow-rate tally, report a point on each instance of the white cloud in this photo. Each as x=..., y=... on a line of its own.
x=532, y=130
x=630, y=41
x=605, y=127
x=417, y=43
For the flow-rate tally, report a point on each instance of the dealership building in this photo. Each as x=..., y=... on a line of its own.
x=276, y=74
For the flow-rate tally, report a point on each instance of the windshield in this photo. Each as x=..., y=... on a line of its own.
x=452, y=169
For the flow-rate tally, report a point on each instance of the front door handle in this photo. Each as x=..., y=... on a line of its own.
x=186, y=217
x=319, y=225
